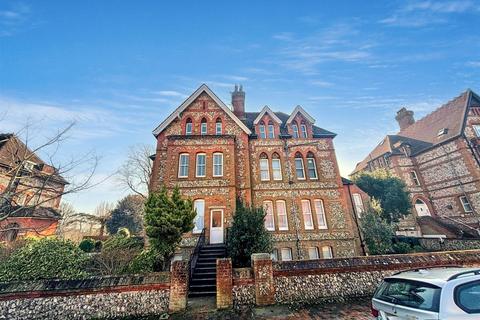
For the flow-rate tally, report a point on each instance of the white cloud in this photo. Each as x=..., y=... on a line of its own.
x=321, y=83
x=169, y=93
x=475, y=64
x=13, y=18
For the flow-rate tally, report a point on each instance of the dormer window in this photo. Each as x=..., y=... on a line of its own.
x=303, y=126
x=476, y=127
x=203, y=127
x=295, y=130
x=188, y=127
x=29, y=165
x=271, y=130
x=261, y=128
x=442, y=131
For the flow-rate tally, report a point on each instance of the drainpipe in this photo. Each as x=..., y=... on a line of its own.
x=355, y=218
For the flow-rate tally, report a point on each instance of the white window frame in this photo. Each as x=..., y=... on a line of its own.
x=320, y=214
x=476, y=128
x=271, y=131
x=203, y=128
x=218, y=128
x=264, y=162
x=281, y=206
x=303, y=168
x=307, y=215
x=277, y=172
x=286, y=254
x=263, y=134
x=274, y=255
x=358, y=203
x=304, y=131
x=313, y=253
x=199, y=203
x=414, y=177
x=188, y=128
x=295, y=131
x=465, y=203
x=314, y=168
x=181, y=165
x=198, y=166
x=218, y=165
x=327, y=252
x=268, y=207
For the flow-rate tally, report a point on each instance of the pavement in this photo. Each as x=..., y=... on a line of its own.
x=204, y=308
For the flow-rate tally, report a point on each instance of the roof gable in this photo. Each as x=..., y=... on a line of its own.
x=272, y=114
x=304, y=113
x=189, y=100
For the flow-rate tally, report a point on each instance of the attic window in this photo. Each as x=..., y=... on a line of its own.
x=29, y=165
x=442, y=131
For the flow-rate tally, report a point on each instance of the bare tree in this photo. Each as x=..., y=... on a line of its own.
x=29, y=182
x=68, y=216
x=100, y=217
x=134, y=174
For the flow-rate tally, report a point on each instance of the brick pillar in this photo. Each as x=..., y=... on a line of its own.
x=178, y=286
x=263, y=274
x=224, y=283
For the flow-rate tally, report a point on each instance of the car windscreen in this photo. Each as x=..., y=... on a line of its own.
x=409, y=293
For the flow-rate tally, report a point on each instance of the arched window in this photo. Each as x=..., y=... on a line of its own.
x=313, y=253
x=269, y=218
x=183, y=162
x=311, y=166
x=307, y=215
x=276, y=167
x=299, y=168
x=295, y=129
x=10, y=232
x=421, y=208
x=271, y=130
x=188, y=127
x=303, y=126
x=218, y=127
x=218, y=164
x=320, y=213
x=203, y=127
x=261, y=129
x=264, y=168
x=327, y=252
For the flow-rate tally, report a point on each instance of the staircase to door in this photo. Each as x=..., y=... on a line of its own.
x=204, y=277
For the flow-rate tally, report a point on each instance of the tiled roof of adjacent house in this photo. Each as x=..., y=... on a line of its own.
x=11, y=145
x=424, y=133
x=251, y=116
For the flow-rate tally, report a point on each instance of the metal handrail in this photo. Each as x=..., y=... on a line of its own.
x=194, y=256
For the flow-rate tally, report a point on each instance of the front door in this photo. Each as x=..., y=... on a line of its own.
x=421, y=208
x=216, y=226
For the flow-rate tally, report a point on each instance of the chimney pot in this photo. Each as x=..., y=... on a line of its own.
x=404, y=118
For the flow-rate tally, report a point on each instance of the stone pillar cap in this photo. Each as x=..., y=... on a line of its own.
x=261, y=256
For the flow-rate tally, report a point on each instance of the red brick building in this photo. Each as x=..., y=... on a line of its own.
x=34, y=192
x=280, y=161
x=438, y=158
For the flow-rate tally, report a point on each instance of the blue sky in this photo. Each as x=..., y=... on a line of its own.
x=119, y=67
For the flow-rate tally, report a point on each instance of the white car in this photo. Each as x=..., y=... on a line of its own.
x=440, y=293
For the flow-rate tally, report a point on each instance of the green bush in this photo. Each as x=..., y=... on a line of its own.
x=147, y=261
x=123, y=243
x=248, y=235
x=45, y=259
x=377, y=232
x=87, y=245
x=402, y=247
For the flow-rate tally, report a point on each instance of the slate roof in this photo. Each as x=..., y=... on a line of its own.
x=423, y=134
x=38, y=212
x=251, y=116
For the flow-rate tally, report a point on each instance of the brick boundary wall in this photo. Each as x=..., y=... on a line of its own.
x=96, y=297
x=314, y=281
x=224, y=283
x=432, y=244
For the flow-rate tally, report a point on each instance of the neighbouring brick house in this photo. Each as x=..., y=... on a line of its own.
x=438, y=158
x=282, y=162
x=35, y=192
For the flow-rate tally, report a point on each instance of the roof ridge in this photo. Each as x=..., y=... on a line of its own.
x=443, y=106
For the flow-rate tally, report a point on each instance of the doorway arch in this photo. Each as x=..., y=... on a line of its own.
x=422, y=208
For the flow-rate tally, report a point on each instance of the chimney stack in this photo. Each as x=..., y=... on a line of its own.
x=238, y=102
x=404, y=118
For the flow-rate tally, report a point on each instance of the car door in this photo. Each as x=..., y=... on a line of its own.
x=461, y=300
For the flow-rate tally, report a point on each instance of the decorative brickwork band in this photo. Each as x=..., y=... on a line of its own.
x=178, y=286
x=224, y=283
x=263, y=274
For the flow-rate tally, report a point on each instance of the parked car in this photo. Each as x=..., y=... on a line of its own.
x=441, y=293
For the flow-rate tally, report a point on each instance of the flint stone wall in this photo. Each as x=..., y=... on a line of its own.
x=449, y=244
x=95, y=297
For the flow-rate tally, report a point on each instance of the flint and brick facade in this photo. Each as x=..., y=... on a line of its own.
x=438, y=159
x=252, y=145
